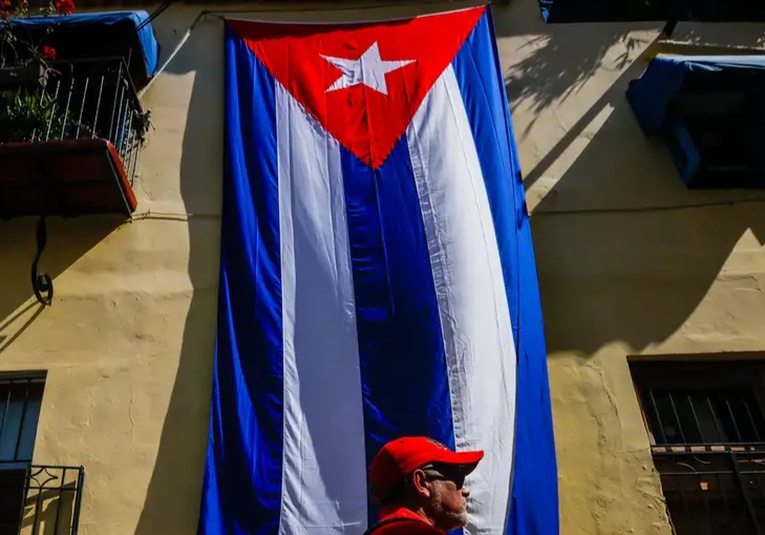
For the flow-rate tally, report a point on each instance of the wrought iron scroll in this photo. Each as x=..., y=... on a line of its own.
x=42, y=284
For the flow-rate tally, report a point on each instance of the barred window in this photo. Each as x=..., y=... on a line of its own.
x=707, y=429
x=20, y=400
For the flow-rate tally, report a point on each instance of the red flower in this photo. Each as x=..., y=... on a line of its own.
x=64, y=7
x=49, y=53
x=5, y=4
x=23, y=4
x=4, y=15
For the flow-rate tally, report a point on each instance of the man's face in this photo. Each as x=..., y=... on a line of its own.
x=446, y=504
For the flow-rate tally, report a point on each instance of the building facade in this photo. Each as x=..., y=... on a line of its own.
x=652, y=293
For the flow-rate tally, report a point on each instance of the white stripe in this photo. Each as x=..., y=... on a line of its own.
x=470, y=290
x=324, y=477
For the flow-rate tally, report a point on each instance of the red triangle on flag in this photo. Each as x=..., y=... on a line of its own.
x=362, y=82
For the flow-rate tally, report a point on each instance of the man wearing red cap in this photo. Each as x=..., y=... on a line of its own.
x=420, y=486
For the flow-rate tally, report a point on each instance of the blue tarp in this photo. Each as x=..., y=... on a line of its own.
x=143, y=40
x=666, y=75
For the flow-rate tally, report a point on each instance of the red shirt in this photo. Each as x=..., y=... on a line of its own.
x=414, y=525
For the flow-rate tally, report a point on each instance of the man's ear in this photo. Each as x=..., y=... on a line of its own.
x=420, y=483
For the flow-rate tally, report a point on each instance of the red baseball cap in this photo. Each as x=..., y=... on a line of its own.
x=400, y=457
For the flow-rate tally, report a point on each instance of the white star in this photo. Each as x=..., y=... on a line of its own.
x=369, y=70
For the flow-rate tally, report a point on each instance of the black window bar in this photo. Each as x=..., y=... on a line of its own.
x=709, y=449
x=698, y=417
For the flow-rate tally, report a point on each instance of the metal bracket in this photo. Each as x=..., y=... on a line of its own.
x=675, y=10
x=42, y=284
x=669, y=28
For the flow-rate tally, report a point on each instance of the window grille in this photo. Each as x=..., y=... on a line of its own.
x=707, y=427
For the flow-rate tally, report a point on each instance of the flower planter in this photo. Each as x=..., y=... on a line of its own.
x=20, y=76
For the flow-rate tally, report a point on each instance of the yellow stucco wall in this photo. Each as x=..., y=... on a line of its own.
x=630, y=263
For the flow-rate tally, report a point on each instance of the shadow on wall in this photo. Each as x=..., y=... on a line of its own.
x=174, y=492
x=558, y=59
x=551, y=72
x=68, y=240
x=625, y=253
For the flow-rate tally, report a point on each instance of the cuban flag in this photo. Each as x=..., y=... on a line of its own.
x=377, y=278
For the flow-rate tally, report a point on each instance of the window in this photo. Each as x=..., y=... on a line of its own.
x=637, y=10
x=20, y=401
x=710, y=112
x=707, y=428
x=724, y=124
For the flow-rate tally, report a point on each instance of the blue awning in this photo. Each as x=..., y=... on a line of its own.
x=666, y=76
x=111, y=33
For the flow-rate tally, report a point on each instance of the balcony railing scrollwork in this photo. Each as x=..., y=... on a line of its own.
x=40, y=499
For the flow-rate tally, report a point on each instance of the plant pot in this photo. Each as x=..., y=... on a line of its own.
x=22, y=76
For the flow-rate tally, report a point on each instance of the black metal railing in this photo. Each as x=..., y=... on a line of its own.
x=707, y=427
x=704, y=417
x=714, y=492
x=40, y=499
x=78, y=99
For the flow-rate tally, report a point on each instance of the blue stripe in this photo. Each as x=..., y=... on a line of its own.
x=534, y=501
x=242, y=488
x=401, y=349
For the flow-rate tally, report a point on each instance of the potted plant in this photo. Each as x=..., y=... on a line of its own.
x=26, y=112
x=16, y=52
x=24, y=63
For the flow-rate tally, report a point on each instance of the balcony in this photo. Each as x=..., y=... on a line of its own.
x=70, y=137
x=39, y=500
